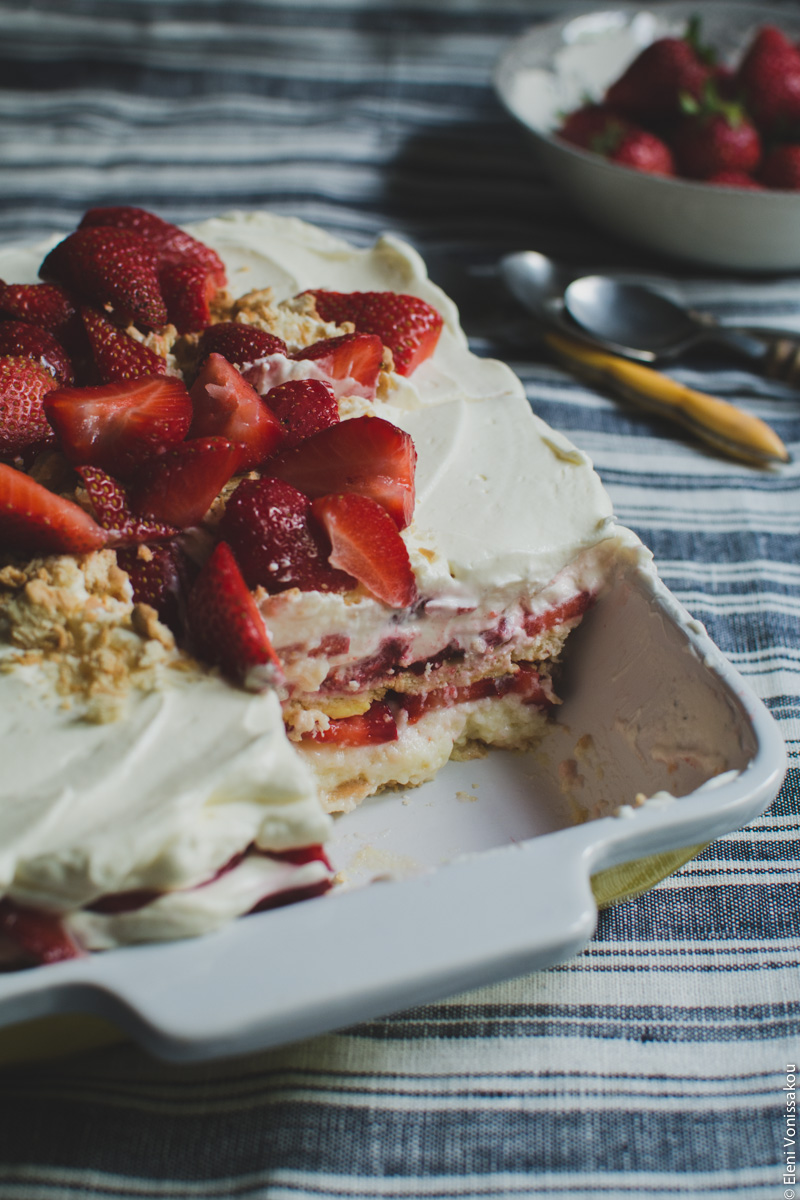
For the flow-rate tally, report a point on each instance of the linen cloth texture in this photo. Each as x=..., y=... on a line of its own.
x=653, y=1064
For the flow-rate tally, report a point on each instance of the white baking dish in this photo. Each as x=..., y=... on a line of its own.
x=485, y=872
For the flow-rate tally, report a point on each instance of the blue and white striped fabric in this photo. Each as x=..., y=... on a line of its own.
x=655, y=1063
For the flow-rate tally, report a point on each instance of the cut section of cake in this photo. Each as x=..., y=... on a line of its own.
x=281, y=541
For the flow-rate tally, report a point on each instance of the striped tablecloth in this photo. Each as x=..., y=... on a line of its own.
x=655, y=1063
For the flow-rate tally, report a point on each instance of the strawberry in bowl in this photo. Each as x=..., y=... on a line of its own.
x=709, y=105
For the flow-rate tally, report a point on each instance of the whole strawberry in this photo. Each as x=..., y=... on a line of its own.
x=277, y=542
x=593, y=127
x=781, y=168
x=303, y=407
x=769, y=81
x=715, y=136
x=652, y=86
x=597, y=128
x=643, y=151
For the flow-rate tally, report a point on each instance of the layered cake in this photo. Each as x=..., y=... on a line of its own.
x=272, y=539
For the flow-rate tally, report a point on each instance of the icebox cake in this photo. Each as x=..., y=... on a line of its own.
x=272, y=539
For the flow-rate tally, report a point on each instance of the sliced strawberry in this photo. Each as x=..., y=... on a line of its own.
x=123, y=902
x=299, y=855
x=241, y=344
x=408, y=325
x=25, y=340
x=173, y=243
x=226, y=627
x=371, y=728
x=111, y=268
x=36, y=521
x=188, y=289
x=367, y=545
x=109, y=499
x=23, y=385
x=303, y=407
x=159, y=577
x=525, y=683
x=180, y=486
x=116, y=354
x=39, y=936
x=110, y=503
x=277, y=543
x=44, y=304
x=292, y=896
x=366, y=455
x=119, y=426
x=226, y=405
x=357, y=356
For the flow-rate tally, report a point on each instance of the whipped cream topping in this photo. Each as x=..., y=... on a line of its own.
x=193, y=771
x=160, y=798
x=126, y=765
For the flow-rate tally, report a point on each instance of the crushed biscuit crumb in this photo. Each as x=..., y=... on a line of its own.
x=75, y=618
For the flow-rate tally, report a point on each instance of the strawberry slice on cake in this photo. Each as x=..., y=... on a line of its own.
x=408, y=325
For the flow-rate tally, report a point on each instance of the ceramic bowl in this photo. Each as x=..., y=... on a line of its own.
x=553, y=68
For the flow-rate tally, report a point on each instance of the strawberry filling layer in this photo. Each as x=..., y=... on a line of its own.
x=379, y=723
x=37, y=937
x=394, y=655
x=525, y=684
x=373, y=727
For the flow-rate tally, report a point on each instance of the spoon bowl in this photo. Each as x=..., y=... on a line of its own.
x=632, y=319
x=638, y=322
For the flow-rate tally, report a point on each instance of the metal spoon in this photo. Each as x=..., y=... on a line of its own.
x=645, y=325
x=538, y=283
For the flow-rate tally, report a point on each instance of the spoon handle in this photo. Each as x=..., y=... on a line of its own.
x=728, y=429
x=752, y=348
x=775, y=352
x=783, y=360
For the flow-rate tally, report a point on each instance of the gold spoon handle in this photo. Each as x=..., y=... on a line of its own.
x=720, y=424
